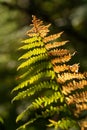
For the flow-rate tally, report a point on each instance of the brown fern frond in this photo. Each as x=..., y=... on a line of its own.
x=83, y=124
x=61, y=60
x=74, y=85
x=77, y=98
x=59, y=52
x=80, y=107
x=80, y=102
x=38, y=28
x=52, y=37
x=62, y=78
x=64, y=67
x=61, y=68
x=55, y=44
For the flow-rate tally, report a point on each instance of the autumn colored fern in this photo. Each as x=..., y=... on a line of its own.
x=46, y=68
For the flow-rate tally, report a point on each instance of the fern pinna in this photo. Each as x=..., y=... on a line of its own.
x=59, y=89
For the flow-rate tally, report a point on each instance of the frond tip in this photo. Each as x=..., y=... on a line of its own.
x=38, y=28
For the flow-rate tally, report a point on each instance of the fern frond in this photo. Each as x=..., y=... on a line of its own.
x=34, y=52
x=31, y=45
x=36, y=78
x=38, y=28
x=60, y=52
x=77, y=98
x=61, y=59
x=24, y=113
x=62, y=78
x=52, y=37
x=47, y=76
x=64, y=124
x=61, y=68
x=38, y=67
x=40, y=103
x=80, y=107
x=52, y=110
x=74, y=85
x=45, y=101
x=26, y=124
x=55, y=45
x=21, y=85
x=33, y=60
x=36, y=88
x=31, y=40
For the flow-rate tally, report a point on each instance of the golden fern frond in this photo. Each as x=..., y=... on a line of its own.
x=64, y=67
x=80, y=107
x=38, y=28
x=73, y=86
x=62, y=78
x=61, y=68
x=55, y=45
x=60, y=60
x=58, y=52
x=52, y=37
x=77, y=98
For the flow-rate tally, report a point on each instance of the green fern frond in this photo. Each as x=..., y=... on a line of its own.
x=63, y=124
x=45, y=101
x=31, y=45
x=38, y=67
x=34, y=52
x=36, y=78
x=52, y=110
x=32, y=40
x=28, y=123
x=41, y=103
x=33, y=60
x=36, y=88
x=26, y=112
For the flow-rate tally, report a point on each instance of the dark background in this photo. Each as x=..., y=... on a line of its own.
x=69, y=16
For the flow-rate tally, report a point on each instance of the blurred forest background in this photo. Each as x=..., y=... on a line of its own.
x=69, y=16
